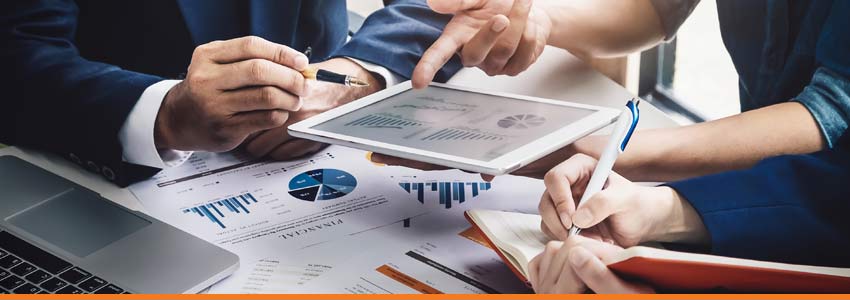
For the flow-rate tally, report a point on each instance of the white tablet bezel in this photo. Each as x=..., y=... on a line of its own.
x=506, y=163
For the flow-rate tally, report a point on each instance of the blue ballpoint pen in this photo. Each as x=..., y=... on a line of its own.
x=617, y=144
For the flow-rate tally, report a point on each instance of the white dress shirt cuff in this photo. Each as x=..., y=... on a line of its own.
x=390, y=78
x=137, y=133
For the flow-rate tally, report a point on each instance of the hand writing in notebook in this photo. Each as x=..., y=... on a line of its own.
x=577, y=265
x=623, y=213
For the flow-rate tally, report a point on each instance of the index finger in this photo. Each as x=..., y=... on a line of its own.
x=446, y=46
x=252, y=47
x=559, y=182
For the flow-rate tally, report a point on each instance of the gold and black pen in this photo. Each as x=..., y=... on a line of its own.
x=328, y=76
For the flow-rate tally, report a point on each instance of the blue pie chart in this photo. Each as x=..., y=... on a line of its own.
x=322, y=184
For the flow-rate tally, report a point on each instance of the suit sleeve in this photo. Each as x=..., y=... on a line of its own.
x=57, y=100
x=792, y=209
x=396, y=36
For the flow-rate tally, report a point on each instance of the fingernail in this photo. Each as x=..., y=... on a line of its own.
x=579, y=256
x=300, y=62
x=582, y=218
x=499, y=25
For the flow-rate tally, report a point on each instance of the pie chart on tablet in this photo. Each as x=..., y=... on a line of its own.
x=322, y=184
x=521, y=121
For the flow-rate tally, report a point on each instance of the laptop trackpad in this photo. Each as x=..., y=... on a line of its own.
x=78, y=222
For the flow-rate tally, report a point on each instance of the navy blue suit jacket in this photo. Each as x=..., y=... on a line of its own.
x=793, y=208
x=73, y=70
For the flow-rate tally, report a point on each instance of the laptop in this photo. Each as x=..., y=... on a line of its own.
x=59, y=237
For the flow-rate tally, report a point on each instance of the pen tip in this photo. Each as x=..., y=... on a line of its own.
x=357, y=82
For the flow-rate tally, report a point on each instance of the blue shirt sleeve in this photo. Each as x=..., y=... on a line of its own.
x=827, y=97
x=828, y=94
x=791, y=209
x=396, y=36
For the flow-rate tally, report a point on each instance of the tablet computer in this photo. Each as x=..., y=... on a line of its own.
x=469, y=129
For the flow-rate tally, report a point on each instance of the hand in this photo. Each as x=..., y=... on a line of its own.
x=578, y=264
x=623, y=212
x=233, y=88
x=321, y=96
x=498, y=36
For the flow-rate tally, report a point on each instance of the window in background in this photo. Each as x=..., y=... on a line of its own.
x=692, y=76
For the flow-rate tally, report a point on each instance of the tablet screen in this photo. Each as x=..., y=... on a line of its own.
x=454, y=122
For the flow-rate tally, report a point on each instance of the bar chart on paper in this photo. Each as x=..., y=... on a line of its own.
x=217, y=210
x=447, y=192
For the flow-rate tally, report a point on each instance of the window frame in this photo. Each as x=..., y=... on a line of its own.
x=655, y=83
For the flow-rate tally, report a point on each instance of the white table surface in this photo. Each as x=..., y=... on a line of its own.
x=556, y=75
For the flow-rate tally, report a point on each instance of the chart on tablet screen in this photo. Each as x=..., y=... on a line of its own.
x=458, y=123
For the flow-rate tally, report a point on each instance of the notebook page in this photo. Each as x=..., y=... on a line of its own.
x=518, y=234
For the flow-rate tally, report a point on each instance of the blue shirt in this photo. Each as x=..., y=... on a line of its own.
x=784, y=50
x=790, y=208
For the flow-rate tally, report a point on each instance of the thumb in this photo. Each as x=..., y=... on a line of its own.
x=598, y=207
x=453, y=6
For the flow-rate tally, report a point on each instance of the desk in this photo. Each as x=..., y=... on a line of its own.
x=556, y=75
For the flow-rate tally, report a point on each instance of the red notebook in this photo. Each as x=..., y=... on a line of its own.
x=517, y=239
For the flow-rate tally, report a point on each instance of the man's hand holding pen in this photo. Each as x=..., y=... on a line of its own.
x=320, y=96
x=246, y=91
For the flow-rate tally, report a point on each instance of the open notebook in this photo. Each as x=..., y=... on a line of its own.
x=517, y=238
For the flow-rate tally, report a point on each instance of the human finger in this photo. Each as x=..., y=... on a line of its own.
x=252, y=47
x=596, y=275
x=253, y=121
x=261, y=98
x=550, y=218
x=440, y=52
x=295, y=148
x=261, y=72
x=545, y=263
x=600, y=206
x=560, y=182
x=265, y=142
x=477, y=48
x=507, y=44
x=526, y=52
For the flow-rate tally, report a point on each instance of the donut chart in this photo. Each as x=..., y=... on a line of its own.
x=322, y=184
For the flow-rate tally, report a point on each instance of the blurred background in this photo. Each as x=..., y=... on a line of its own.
x=691, y=78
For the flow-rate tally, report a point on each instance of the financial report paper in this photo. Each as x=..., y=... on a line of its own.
x=259, y=209
x=433, y=253
x=438, y=249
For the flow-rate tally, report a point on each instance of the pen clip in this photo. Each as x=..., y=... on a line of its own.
x=632, y=106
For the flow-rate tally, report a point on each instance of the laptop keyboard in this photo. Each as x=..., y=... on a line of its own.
x=27, y=269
